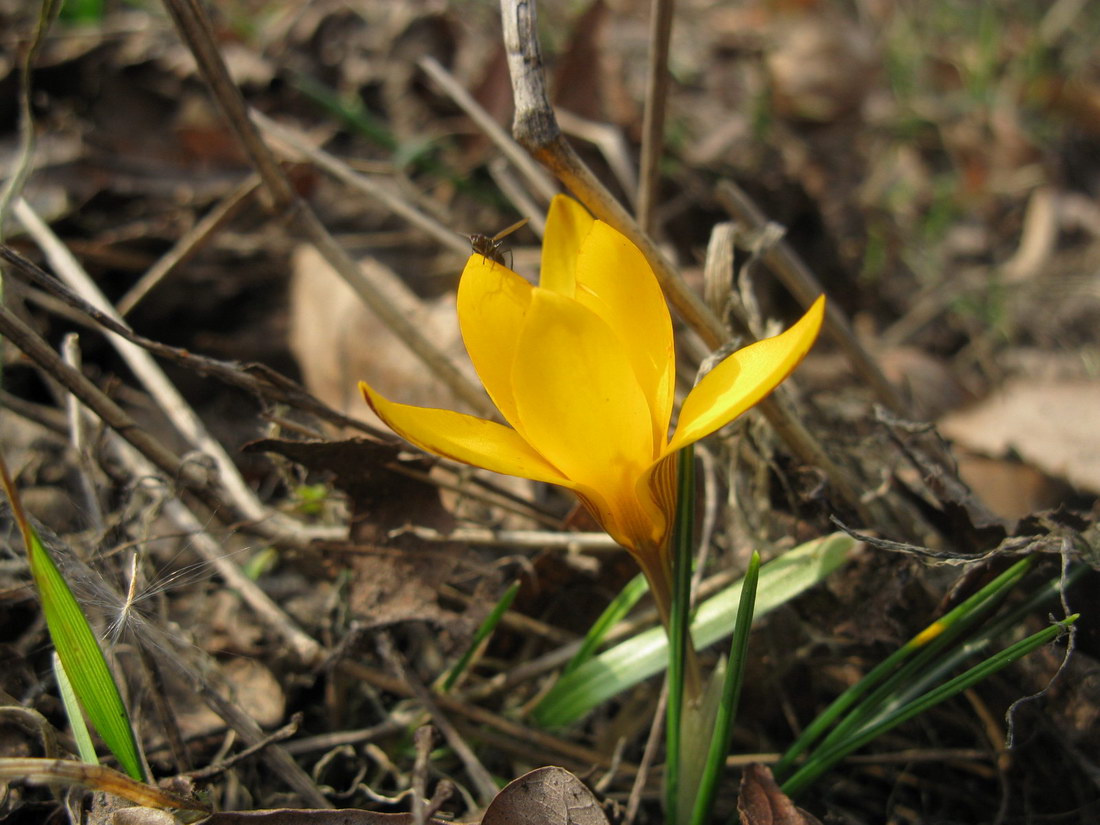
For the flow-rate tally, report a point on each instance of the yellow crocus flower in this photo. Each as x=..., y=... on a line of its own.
x=582, y=367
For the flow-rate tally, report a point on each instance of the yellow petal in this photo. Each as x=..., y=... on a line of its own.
x=492, y=301
x=464, y=438
x=615, y=281
x=578, y=401
x=744, y=378
x=567, y=225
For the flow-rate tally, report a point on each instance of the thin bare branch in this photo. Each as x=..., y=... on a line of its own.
x=194, y=25
x=542, y=184
x=298, y=145
x=148, y=372
x=653, y=123
x=190, y=243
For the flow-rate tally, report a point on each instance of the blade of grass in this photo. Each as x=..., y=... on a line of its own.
x=84, y=746
x=934, y=637
x=642, y=656
x=985, y=636
x=821, y=762
x=615, y=612
x=483, y=633
x=731, y=695
x=679, y=623
x=76, y=644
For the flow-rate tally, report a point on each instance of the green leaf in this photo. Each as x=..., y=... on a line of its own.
x=483, y=632
x=731, y=695
x=77, y=646
x=639, y=658
x=620, y=606
x=84, y=746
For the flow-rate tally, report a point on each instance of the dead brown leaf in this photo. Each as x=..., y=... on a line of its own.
x=1051, y=424
x=545, y=796
x=762, y=803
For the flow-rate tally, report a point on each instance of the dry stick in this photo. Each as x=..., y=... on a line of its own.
x=190, y=477
x=652, y=743
x=210, y=224
x=197, y=31
x=653, y=123
x=143, y=366
x=296, y=144
x=538, y=179
x=801, y=282
x=534, y=738
x=513, y=190
x=537, y=130
x=188, y=474
x=256, y=379
x=482, y=779
x=185, y=473
x=611, y=144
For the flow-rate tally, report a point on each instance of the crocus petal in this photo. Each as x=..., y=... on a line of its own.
x=492, y=301
x=744, y=378
x=567, y=225
x=464, y=438
x=578, y=400
x=615, y=281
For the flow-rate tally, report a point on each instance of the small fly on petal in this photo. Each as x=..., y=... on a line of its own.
x=493, y=247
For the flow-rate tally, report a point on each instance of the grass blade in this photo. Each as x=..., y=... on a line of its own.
x=77, y=646
x=646, y=654
x=821, y=762
x=731, y=695
x=882, y=679
x=620, y=606
x=84, y=746
x=679, y=624
x=483, y=633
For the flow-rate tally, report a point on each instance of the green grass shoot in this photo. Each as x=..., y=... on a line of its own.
x=646, y=654
x=76, y=645
x=483, y=633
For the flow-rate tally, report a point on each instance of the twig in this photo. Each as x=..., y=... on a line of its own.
x=653, y=123
x=194, y=25
x=537, y=130
x=285, y=732
x=653, y=741
x=256, y=379
x=422, y=740
x=17, y=176
x=143, y=366
x=804, y=286
x=484, y=121
x=482, y=779
x=612, y=145
x=297, y=144
x=531, y=737
x=189, y=243
x=514, y=538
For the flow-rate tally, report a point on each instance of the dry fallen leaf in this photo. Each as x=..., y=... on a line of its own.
x=545, y=796
x=337, y=341
x=1051, y=423
x=762, y=803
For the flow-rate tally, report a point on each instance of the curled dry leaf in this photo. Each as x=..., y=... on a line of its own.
x=545, y=796
x=760, y=801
